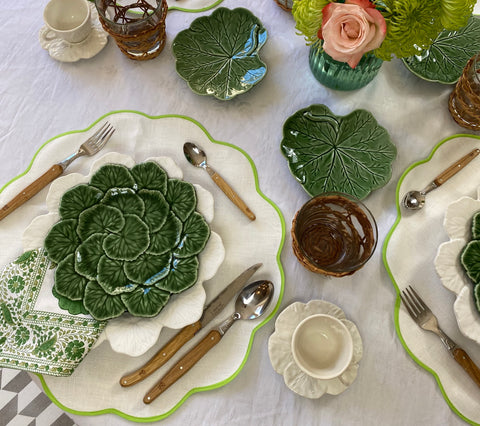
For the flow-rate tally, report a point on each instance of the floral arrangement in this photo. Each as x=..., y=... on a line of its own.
x=349, y=29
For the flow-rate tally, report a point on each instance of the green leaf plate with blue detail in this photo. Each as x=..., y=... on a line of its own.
x=218, y=54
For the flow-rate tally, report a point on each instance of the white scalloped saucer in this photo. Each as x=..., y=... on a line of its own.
x=64, y=51
x=279, y=350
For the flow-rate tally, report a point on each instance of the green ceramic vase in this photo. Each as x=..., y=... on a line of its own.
x=338, y=75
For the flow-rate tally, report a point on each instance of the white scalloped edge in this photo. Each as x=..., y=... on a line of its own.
x=457, y=223
x=279, y=350
x=457, y=217
x=130, y=335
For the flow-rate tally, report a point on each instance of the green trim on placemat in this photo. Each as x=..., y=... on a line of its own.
x=397, y=290
x=182, y=9
x=265, y=321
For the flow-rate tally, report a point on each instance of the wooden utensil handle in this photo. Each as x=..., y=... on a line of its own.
x=230, y=193
x=32, y=189
x=162, y=356
x=456, y=167
x=184, y=365
x=467, y=364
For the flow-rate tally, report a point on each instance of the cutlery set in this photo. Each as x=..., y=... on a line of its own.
x=251, y=303
x=93, y=145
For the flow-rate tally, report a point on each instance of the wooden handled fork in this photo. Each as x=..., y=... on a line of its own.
x=90, y=147
x=425, y=318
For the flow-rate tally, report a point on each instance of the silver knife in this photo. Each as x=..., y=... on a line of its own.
x=211, y=311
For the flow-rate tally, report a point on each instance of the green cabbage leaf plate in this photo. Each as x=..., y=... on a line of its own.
x=445, y=59
x=126, y=241
x=218, y=54
x=352, y=154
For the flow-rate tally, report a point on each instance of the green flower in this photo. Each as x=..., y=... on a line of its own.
x=412, y=25
x=126, y=241
x=16, y=284
x=75, y=350
x=22, y=334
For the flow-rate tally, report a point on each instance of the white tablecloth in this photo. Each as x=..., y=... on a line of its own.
x=41, y=98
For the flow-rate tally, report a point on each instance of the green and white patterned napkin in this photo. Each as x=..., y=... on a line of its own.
x=35, y=335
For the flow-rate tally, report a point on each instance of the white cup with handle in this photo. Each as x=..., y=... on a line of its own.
x=68, y=20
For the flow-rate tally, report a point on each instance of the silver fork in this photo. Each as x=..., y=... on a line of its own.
x=90, y=147
x=425, y=318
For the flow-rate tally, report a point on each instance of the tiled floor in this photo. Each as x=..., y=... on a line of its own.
x=22, y=403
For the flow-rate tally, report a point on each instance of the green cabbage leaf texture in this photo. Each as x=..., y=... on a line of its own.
x=470, y=258
x=448, y=55
x=126, y=241
x=219, y=54
x=352, y=154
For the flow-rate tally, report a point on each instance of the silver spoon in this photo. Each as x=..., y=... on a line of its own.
x=196, y=156
x=251, y=302
x=415, y=200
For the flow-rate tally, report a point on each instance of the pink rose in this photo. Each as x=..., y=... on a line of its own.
x=351, y=29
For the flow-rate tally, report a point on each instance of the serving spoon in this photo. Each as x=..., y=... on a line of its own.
x=415, y=200
x=251, y=302
x=196, y=156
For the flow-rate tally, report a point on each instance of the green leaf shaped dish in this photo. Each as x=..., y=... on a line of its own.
x=218, y=54
x=126, y=241
x=326, y=152
x=444, y=60
x=470, y=258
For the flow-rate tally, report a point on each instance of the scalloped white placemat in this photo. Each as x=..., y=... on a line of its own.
x=410, y=254
x=245, y=243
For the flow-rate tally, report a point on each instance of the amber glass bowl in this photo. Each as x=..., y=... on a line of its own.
x=334, y=234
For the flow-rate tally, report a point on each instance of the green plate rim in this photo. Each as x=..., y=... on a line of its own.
x=392, y=278
x=265, y=321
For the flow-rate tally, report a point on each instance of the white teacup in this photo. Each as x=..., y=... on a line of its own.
x=68, y=19
x=322, y=346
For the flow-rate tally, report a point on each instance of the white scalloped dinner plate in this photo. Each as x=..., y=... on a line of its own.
x=246, y=243
x=409, y=253
x=457, y=224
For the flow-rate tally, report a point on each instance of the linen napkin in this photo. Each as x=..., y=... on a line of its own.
x=36, y=338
